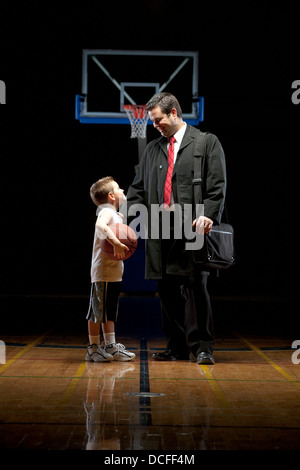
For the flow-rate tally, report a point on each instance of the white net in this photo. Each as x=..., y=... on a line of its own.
x=138, y=116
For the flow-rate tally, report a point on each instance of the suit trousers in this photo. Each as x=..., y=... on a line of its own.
x=187, y=319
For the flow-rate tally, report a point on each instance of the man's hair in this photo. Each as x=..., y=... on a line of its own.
x=166, y=101
x=100, y=190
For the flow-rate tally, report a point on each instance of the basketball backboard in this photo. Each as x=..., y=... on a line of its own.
x=114, y=78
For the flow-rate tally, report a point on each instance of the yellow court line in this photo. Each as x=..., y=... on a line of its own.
x=22, y=352
x=214, y=386
x=287, y=376
x=73, y=384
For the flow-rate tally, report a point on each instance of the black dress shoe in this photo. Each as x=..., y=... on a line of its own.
x=169, y=355
x=205, y=358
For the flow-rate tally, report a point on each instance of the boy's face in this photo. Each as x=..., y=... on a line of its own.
x=118, y=193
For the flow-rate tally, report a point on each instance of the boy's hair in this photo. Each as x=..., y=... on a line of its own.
x=166, y=101
x=100, y=190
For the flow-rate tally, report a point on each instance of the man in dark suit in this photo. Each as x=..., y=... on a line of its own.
x=182, y=284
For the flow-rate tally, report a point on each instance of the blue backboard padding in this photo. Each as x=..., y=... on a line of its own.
x=125, y=120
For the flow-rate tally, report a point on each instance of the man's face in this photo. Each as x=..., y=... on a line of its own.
x=166, y=124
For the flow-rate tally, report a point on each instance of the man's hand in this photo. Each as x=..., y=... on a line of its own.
x=203, y=224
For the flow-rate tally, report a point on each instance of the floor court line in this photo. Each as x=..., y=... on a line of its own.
x=23, y=351
x=73, y=384
x=260, y=353
x=215, y=386
x=182, y=379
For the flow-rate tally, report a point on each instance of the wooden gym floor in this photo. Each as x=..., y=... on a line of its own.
x=52, y=399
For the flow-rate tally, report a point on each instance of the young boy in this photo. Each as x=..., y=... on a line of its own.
x=106, y=275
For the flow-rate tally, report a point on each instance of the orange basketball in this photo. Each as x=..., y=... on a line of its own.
x=126, y=235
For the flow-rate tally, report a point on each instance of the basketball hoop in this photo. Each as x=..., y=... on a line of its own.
x=138, y=116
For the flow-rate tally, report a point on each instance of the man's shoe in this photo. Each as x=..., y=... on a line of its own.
x=169, y=355
x=205, y=358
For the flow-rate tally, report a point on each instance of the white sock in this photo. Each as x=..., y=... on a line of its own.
x=94, y=340
x=109, y=338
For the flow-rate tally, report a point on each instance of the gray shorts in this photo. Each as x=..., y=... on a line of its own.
x=104, y=301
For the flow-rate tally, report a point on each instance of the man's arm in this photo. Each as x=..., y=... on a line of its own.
x=215, y=181
x=136, y=192
x=214, y=189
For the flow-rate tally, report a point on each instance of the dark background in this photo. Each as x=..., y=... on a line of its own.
x=49, y=160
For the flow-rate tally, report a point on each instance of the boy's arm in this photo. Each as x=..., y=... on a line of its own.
x=102, y=228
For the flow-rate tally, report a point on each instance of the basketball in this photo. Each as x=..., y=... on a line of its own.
x=126, y=235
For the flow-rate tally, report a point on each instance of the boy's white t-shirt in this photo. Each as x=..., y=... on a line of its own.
x=103, y=268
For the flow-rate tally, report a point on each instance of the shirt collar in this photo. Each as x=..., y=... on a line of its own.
x=179, y=134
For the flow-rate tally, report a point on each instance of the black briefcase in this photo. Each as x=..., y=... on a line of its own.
x=218, y=248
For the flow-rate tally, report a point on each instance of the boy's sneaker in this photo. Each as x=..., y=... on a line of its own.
x=119, y=352
x=97, y=354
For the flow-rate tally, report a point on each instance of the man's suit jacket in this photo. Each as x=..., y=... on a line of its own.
x=148, y=189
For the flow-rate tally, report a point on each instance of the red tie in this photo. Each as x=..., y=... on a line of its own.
x=168, y=183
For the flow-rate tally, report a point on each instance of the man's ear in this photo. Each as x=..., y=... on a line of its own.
x=174, y=113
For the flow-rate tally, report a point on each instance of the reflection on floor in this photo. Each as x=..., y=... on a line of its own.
x=52, y=399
